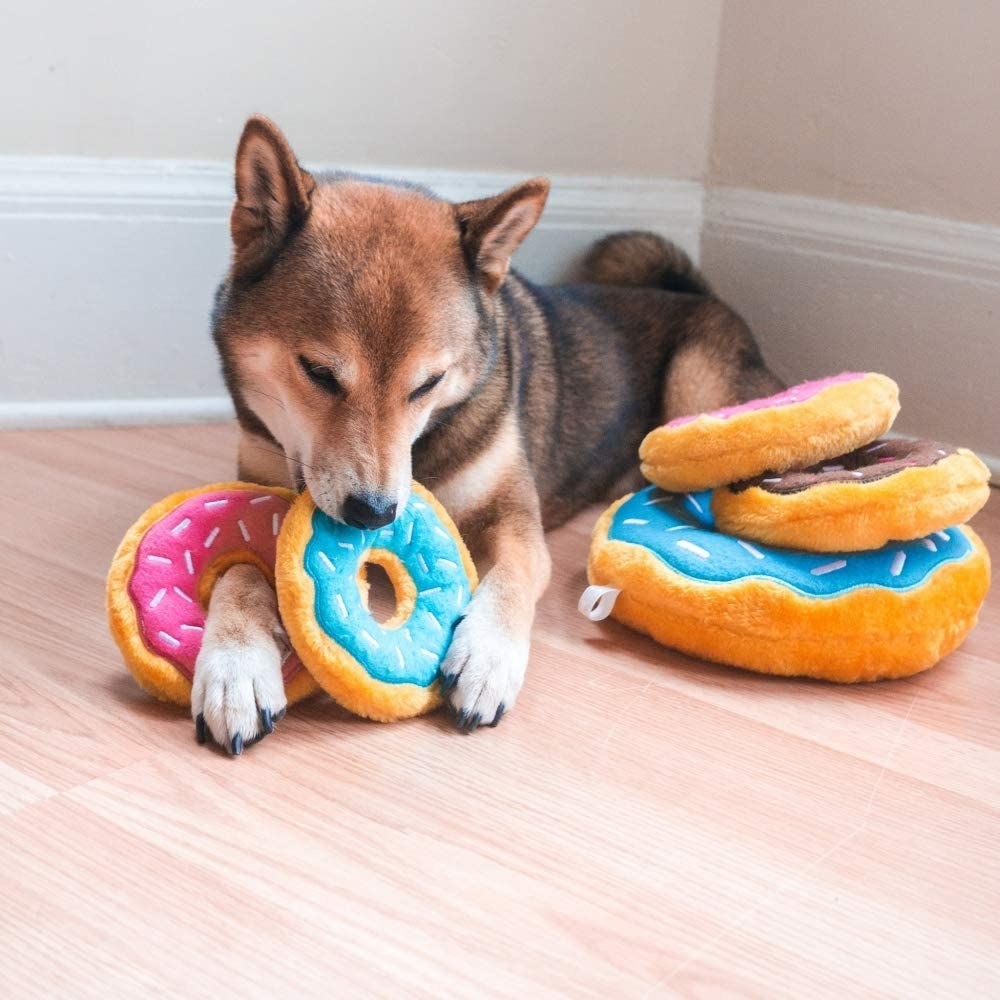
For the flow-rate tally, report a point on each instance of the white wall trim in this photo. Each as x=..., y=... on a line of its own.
x=44, y=186
x=863, y=232
x=115, y=412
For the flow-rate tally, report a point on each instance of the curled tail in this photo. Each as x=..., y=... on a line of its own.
x=643, y=259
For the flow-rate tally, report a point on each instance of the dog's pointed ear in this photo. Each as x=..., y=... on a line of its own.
x=493, y=228
x=273, y=196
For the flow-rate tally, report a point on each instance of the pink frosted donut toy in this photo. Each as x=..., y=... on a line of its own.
x=793, y=429
x=163, y=573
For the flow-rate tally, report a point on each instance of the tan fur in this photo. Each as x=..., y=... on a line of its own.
x=371, y=332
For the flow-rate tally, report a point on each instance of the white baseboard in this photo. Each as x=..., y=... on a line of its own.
x=115, y=412
x=110, y=265
x=829, y=286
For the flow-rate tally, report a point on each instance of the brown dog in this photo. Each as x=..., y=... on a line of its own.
x=371, y=332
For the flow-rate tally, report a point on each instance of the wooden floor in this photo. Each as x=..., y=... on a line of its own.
x=642, y=825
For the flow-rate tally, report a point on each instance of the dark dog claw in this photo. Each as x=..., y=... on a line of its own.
x=498, y=716
x=236, y=747
x=448, y=682
x=200, y=733
x=278, y=716
x=473, y=723
x=461, y=719
x=266, y=721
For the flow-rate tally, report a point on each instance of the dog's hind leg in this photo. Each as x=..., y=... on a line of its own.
x=716, y=363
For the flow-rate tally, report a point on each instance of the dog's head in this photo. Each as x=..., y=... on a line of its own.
x=356, y=310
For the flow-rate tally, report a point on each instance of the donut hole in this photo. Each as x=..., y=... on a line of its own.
x=387, y=589
x=381, y=598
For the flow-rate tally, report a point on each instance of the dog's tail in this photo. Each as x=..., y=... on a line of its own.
x=643, y=259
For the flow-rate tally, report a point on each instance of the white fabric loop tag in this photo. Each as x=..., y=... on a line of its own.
x=596, y=602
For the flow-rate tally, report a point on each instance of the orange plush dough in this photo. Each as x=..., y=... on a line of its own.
x=163, y=572
x=867, y=633
x=892, y=490
x=793, y=429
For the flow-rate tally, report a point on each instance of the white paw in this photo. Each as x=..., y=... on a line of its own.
x=484, y=668
x=237, y=694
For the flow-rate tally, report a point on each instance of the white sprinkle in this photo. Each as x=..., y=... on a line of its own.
x=370, y=639
x=212, y=504
x=928, y=543
x=858, y=473
x=441, y=531
x=275, y=524
x=460, y=597
x=833, y=468
x=447, y=563
x=696, y=549
x=158, y=596
x=694, y=503
x=652, y=503
x=409, y=533
x=346, y=545
x=409, y=638
x=680, y=527
x=898, y=562
x=427, y=653
x=399, y=656
x=423, y=562
x=169, y=639
x=876, y=447
x=212, y=535
x=828, y=568
x=263, y=499
x=192, y=628
x=181, y=526
x=756, y=553
x=773, y=479
x=634, y=520
x=180, y=593
x=243, y=530
x=163, y=560
x=420, y=505
x=325, y=560
x=189, y=562
x=341, y=606
x=435, y=622
x=431, y=590
x=943, y=535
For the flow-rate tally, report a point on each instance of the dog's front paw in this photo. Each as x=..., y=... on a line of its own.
x=484, y=668
x=237, y=694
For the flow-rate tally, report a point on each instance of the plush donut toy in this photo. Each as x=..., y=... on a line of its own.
x=659, y=564
x=382, y=671
x=165, y=568
x=890, y=490
x=796, y=428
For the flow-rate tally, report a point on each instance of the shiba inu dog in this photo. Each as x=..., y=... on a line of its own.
x=371, y=333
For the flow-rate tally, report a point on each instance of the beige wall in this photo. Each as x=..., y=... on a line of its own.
x=886, y=102
x=552, y=85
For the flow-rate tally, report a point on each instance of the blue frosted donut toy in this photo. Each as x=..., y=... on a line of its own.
x=658, y=563
x=387, y=670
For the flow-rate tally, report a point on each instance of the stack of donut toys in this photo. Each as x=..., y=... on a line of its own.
x=166, y=566
x=788, y=536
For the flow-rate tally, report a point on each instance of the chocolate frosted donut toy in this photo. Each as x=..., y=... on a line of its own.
x=164, y=570
x=799, y=427
x=888, y=490
x=388, y=670
x=659, y=563
x=162, y=576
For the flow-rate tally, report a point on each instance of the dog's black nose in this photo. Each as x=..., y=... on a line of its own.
x=369, y=511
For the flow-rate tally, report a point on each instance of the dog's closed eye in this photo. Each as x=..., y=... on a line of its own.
x=422, y=390
x=323, y=376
